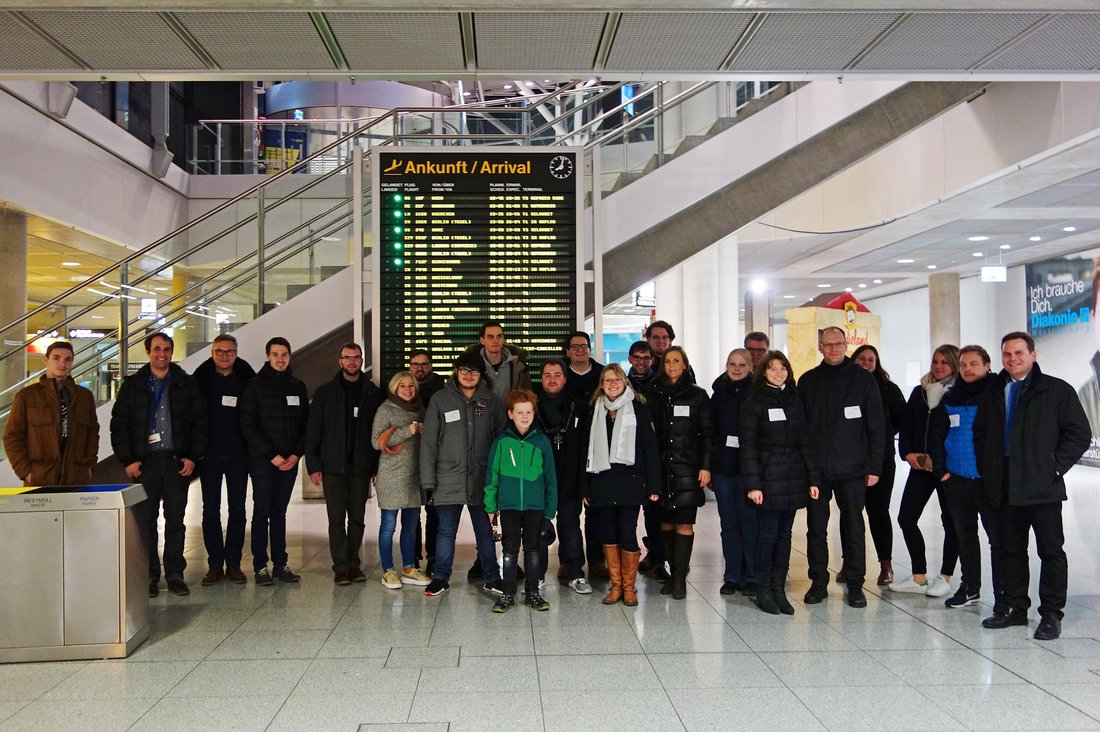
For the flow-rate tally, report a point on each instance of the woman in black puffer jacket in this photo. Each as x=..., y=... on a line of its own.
x=778, y=472
x=685, y=433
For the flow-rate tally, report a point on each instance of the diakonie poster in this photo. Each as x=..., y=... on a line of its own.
x=1061, y=297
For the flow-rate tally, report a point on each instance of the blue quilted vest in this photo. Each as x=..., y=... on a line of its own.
x=961, y=460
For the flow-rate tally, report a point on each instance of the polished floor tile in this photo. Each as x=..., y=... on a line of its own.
x=79, y=715
x=773, y=709
x=642, y=710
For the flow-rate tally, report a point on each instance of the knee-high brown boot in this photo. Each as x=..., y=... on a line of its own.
x=630, y=575
x=611, y=558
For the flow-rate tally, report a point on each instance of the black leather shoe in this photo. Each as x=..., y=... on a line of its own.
x=1014, y=617
x=154, y=588
x=728, y=588
x=660, y=574
x=1049, y=628
x=748, y=589
x=856, y=598
x=178, y=587
x=815, y=594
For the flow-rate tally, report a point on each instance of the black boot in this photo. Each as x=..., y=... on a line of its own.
x=681, y=557
x=657, y=571
x=508, y=570
x=765, y=595
x=779, y=593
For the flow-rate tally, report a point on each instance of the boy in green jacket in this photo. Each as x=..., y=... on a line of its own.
x=522, y=486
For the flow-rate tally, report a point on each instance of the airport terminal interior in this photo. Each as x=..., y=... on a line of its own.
x=911, y=173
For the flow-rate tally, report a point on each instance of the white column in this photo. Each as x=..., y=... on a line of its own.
x=670, y=298
x=730, y=333
x=698, y=333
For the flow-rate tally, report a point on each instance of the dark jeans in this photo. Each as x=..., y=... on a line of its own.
x=655, y=548
x=739, y=528
x=1045, y=519
x=164, y=485
x=962, y=494
x=619, y=525
x=234, y=468
x=919, y=487
x=449, y=516
x=346, y=497
x=570, y=541
x=271, y=489
x=878, y=511
x=773, y=542
x=850, y=496
x=514, y=527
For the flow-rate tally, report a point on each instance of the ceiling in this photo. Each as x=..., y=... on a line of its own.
x=639, y=39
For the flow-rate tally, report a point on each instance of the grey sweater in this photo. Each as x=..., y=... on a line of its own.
x=398, y=481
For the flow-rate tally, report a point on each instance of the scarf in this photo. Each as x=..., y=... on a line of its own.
x=934, y=390
x=412, y=405
x=621, y=448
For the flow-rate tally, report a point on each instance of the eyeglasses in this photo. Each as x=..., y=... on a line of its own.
x=759, y=351
x=837, y=344
x=419, y=365
x=639, y=357
x=468, y=372
x=578, y=347
x=223, y=352
x=351, y=358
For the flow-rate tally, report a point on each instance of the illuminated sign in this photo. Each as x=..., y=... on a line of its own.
x=470, y=236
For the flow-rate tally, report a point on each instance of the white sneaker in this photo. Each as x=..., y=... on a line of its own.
x=940, y=586
x=580, y=586
x=909, y=585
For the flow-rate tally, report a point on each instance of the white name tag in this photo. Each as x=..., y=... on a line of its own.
x=451, y=416
x=154, y=438
x=732, y=441
x=576, y=421
x=355, y=411
x=293, y=401
x=777, y=415
x=681, y=410
x=852, y=412
x=630, y=420
x=954, y=419
x=229, y=401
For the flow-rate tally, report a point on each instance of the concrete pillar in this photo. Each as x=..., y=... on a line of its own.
x=729, y=304
x=669, y=289
x=698, y=333
x=943, y=309
x=13, y=291
x=758, y=312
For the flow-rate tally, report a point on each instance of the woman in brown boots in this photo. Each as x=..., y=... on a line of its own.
x=622, y=471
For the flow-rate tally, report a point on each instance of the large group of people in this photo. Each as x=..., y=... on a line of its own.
x=528, y=460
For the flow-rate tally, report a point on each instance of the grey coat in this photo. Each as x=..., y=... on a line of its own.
x=398, y=481
x=455, y=446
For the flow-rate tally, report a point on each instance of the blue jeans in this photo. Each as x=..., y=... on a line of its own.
x=271, y=489
x=738, y=521
x=410, y=518
x=445, y=541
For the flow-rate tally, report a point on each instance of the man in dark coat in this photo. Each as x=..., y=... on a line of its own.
x=583, y=375
x=844, y=409
x=159, y=431
x=221, y=379
x=1029, y=430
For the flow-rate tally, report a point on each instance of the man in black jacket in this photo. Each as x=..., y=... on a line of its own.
x=583, y=375
x=159, y=432
x=338, y=451
x=844, y=410
x=427, y=384
x=641, y=373
x=1029, y=430
x=221, y=379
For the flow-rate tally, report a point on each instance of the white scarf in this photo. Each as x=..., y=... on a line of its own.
x=934, y=390
x=621, y=448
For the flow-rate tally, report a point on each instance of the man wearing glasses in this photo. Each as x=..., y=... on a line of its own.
x=221, y=379
x=844, y=411
x=427, y=381
x=641, y=373
x=756, y=343
x=584, y=371
x=339, y=452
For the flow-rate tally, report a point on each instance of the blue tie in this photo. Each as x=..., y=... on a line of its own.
x=1010, y=412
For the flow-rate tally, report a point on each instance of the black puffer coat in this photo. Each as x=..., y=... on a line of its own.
x=274, y=414
x=131, y=413
x=775, y=448
x=624, y=485
x=725, y=406
x=685, y=432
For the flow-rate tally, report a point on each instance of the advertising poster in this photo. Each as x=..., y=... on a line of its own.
x=1061, y=297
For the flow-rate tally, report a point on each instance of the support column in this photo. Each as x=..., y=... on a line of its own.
x=698, y=332
x=13, y=291
x=758, y=312
x=943, y=307
x=729, y=320
x=669, y=289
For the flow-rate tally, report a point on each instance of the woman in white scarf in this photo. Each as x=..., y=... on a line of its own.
x=622, y=471
x=913, y=446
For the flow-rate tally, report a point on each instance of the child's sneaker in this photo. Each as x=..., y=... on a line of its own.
x=503, y=603
x=390, y=580
x=495, y=587
x=413, y=576
x=535, y=602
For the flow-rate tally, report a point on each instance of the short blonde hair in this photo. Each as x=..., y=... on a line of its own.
x=396, y=379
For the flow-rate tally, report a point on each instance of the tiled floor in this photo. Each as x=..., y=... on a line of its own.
x=316, y=656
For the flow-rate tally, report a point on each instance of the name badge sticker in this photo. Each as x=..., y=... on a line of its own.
x=229, y=401
x=853, y=412
x=955, y=419
x=154, y=438
x=293, y=401
x=777, y=415
x=681, y=410
x=733, y=441
x=451, y=416
x=355, y=412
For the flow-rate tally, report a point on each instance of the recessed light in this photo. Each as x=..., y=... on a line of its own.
x=759, y=285
x=823, y=286
x=788, y=297
x=877, y=282
x=70, y=264
x=529, y=83
x=1069, y=228
x=97, y=317
x=1035, y=238
x=978, y=238
x=1006, y=246
x=931, y=266
x=977, y=254
x=507, y=86
x=847, y=289
x=905, y=261
x=545, y=81
x=862, y=284
x=465, y=93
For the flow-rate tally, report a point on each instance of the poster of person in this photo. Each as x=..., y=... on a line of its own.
x=1061, y=300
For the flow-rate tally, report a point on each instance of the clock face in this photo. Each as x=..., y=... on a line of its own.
x=561, y=166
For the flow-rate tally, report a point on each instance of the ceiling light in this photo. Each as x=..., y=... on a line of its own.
x=1005, y=246
x=823, y=286
x=977, y=254
x=788, y=297
x=545, y=81
x=978, y=238
x=1035, y=238
x=877, y=282
x=759, y=285
x=931, y=266
x=97, y=317
x=70, y=264
x=905, y=261
x=862, y=284
x=161, y=289
x=1069, y=229
x=529, y=84
x=847, y=289
x=465, y=93
x=507, y=86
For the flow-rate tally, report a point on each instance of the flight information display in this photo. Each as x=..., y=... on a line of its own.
x=467, y=237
